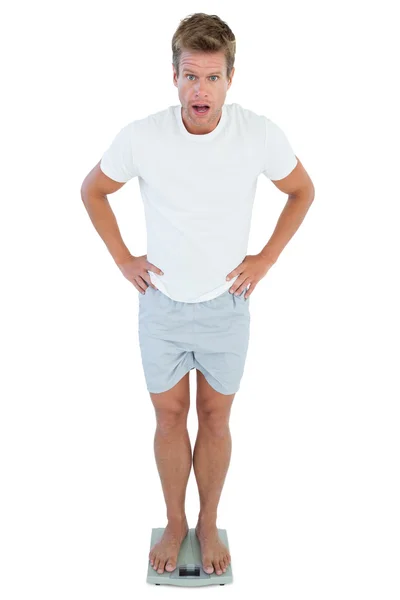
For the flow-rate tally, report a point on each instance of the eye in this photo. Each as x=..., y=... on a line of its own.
x=210, y=76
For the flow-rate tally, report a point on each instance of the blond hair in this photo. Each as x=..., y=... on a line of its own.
x=204, y=33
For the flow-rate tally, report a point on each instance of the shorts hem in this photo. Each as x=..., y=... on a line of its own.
x=177, y=379
x=220, y=389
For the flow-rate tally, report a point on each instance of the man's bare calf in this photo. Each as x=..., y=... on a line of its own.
x=211, y=459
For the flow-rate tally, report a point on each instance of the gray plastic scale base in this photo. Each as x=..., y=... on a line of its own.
x=189, y=571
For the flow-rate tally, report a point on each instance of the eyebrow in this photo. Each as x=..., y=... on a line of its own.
x=192, y=73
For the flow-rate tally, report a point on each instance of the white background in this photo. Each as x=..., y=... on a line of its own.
x=311, y=498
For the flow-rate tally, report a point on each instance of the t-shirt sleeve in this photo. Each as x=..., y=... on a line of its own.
x=118, y=161
x=279, y=158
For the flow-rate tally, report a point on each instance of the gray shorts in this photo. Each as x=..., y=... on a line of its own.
x=211, y=336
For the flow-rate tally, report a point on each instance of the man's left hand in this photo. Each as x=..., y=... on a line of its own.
x=253, y=268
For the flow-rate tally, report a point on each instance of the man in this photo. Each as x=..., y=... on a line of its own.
x=197, y=170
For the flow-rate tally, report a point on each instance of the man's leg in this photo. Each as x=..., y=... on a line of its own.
x=174, y=461
x=211, y=459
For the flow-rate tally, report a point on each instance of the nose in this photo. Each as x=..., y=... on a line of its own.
x=199, y=87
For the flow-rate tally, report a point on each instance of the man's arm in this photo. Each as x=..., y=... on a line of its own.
x=301, y=195
x=94, y=190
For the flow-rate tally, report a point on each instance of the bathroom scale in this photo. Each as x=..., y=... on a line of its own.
x=189, y=569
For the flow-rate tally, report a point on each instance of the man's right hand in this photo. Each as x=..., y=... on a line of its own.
x=136, y=268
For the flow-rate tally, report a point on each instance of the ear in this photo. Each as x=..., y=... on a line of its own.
x=174, y=78
x=231, y=77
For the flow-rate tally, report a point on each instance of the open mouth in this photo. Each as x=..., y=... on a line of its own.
x=201, y=109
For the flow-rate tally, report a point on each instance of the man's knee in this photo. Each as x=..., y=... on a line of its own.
x=172, y=406
x=213, y=408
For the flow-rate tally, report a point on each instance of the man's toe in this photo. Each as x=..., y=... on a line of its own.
x=161, y=566
x=170, y=566
x=208, y=568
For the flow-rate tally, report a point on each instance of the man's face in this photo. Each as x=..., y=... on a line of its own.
x=202, y=80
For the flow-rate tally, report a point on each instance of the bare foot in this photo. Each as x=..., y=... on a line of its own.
x=167, y=549
x=215, y=555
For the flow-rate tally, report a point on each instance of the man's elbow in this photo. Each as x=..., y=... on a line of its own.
x=306, y=193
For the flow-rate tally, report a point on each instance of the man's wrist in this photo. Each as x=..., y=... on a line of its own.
x=269, y=255
x=122, y=258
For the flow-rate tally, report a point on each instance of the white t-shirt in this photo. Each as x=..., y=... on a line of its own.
x=198, y=192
